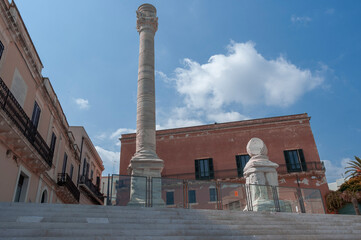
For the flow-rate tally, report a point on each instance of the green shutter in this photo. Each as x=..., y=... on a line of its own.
x=287, y=159
x=196, y=168
x=211, y=169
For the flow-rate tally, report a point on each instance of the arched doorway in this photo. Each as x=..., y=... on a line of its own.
x=44, y=197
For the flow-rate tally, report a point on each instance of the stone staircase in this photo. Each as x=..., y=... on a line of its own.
x=29, y=221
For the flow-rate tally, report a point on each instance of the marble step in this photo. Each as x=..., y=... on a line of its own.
x=168, y=231
x=73, y=218
x=263, y=237
x=159, y=226
x=21, y=221
x=180, y=213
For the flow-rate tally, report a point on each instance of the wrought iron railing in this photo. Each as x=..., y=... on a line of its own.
x=234, y=173
x=65, y=180
x=16, y=113
x=300, y=167
x=92, y=187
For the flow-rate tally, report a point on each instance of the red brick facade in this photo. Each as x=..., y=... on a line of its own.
x=180, y=147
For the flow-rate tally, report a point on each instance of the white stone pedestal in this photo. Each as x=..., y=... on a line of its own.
x=146, y=182
x=261, y=175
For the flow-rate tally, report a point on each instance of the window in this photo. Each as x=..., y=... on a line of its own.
x=170, y=198
x=64, y=163
x=241, y=161
x=1, y=49
x=212, y=195
x=98, y=181
x=192, y=196
x=91, y=174
x=52, y=143
x=71, y=171
x=36, y=115
x=21, y=188
x=204, y=168
x=87, y=171
x=295, y=160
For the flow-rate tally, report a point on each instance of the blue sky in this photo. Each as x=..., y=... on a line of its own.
x=216, y=61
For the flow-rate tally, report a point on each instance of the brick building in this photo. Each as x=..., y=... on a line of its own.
x=218, y=151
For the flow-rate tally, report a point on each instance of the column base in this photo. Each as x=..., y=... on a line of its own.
x=145, y=165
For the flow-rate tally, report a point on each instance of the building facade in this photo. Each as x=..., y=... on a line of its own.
x=90, y=168
x=218, y=151
x=39, y=155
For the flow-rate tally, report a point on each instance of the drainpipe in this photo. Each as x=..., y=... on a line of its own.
x=81, y=152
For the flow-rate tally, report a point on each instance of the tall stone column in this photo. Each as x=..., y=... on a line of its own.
x=145, y=161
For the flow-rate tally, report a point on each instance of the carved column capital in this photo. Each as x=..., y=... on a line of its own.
x=147, y=18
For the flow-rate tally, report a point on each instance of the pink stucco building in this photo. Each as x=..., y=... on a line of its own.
x=42, y=159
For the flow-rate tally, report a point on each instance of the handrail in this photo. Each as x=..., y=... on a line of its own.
x=15, y=112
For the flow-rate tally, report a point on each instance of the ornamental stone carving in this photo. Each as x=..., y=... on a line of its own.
x=147, y=18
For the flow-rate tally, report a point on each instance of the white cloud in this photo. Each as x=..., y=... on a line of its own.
x=179, y=117
x=243, y=76
x=335, y=171
x=82, y=103
x=117, y=134
x=226, y=117
x=110, y=160
x=177, y=123
x=301, y=20
x=163, y=76
x=101, y=136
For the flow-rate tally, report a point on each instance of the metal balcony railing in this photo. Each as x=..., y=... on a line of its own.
x=234, y=173
x=300, y=167
x=15, y=112
x=65, y=180
x=95, y=190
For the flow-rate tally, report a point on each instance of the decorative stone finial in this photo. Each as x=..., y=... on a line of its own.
x=147, y=18
x=256, y=147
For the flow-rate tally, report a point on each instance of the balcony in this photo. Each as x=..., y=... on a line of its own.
x=234, y=174
x=91, y=190
x=20, y=134
x=300, y=167
x=67, y=191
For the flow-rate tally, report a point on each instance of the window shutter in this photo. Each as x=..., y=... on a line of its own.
x=287, y=159
x=196, y=168
x=302, y=160
x=64, y=163
x=211, y=170
x=36, y=115
x=84, y=166
x=52, y=143
x=238, y=162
